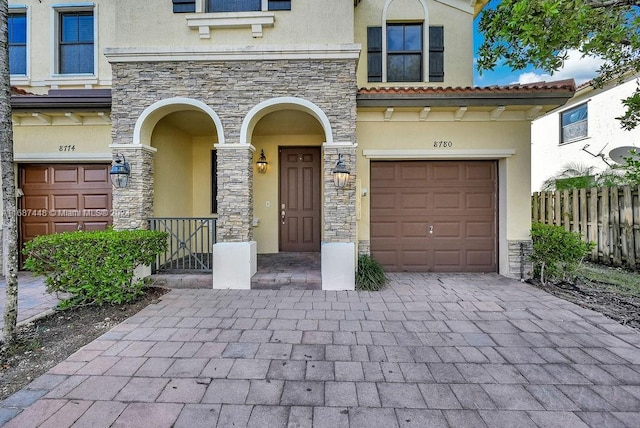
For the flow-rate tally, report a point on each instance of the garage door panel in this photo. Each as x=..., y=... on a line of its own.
x=95, y=175
x=97, y=202
x=65, y=175
x=479, y=200
x=446, y=200
x=65, y=202
x=38, y=175
x=457, y=198
x=36, y=228
x=65, y=226
x=480, y=229
x=95, y=225
x=39, y=202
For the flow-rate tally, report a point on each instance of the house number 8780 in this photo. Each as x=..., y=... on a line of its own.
x=440, y=144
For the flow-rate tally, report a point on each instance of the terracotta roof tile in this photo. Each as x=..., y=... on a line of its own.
x=17, y=91
x=562, y=85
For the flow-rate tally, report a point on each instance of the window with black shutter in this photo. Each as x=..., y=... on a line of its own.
x=404, y=52
x=184, y=6
x=436, y=54
x=374, y=54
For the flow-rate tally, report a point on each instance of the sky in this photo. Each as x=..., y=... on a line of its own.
x=576, y=67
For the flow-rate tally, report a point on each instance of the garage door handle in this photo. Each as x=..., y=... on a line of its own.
x=79, y=227
x=431, y=230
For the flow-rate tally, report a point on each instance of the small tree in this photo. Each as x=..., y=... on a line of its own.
x=632, y=168
x=556, y=253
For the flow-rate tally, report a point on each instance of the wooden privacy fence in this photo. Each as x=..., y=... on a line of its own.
x=608, y=216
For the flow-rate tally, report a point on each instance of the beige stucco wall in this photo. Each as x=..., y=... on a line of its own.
x=266, y=189
x=458, y=35
x=201, y=175
x=152, y=23
x=513, y=182
x=41, y=42
x=173, y=177
x=46, y=140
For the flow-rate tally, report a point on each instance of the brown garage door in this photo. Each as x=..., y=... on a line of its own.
x=435, y=216
x=63, y=198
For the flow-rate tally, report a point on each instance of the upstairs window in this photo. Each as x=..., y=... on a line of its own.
x=404, y=52
x=574, y=124
x=76, y=42
x=189, y=6
x=17, y=28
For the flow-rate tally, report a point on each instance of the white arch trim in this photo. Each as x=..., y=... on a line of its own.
x=425, y=40
x=156, y=111
x=282, y=103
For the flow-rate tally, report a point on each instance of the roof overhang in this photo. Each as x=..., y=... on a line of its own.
x=555, y=93
x=63, y=99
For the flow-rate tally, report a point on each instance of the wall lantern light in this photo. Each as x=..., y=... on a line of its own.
x=262, y=163
x=340, y=173
x=120, y=172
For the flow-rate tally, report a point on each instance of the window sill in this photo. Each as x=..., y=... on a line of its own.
x=72, y=80
x=576, y=140
x=20, y=80
x=205, y=22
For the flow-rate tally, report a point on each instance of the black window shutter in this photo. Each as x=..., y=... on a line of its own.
x=374, y=54
x=184, y=6
x=436, y=54
x=279, y=4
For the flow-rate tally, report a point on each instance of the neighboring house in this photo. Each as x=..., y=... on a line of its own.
x=193, y=92
x=582, y=132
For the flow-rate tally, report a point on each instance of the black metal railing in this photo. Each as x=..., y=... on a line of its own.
x=190, y=244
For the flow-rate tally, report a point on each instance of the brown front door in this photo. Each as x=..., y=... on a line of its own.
x=299, y=199
x=434, y=216
x=63, y=198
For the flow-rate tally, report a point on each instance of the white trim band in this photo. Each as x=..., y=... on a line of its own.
x=116, y=147
x=65, y=157
x=439, y=154
x=233, y=53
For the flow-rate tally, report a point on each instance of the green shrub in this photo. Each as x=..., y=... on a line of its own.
x=370, y=274
x=94, y=267
x=556, y=252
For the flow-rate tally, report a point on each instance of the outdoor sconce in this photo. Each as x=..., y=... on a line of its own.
x=120, y=172
x=340, y=174
x=262, y=163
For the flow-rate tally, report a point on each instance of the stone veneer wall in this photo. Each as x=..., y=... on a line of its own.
x=231, y=89
x=133, y=205
x=364, y=247
x=519, y=255
x=339, y=208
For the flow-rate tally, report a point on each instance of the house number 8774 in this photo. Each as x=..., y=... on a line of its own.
x=442, y=144
x=66, y=148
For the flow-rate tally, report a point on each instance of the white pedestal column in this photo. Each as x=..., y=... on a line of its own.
x=234, y=263
x=338, y=264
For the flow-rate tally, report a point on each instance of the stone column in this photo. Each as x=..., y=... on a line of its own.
x=339, y=212
x=235, y=252
x=133, y=205
x=235, y=192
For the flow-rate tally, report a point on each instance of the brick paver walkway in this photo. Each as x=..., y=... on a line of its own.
x=33, y=298
x=430, y=350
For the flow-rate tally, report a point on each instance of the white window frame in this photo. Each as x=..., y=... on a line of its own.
x=561, y=115
x=56, y=10
x=23, y=79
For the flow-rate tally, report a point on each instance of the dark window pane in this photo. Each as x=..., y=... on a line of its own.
x=412, y=68
x=234, y=5
x=17, y=28
x=413, y=38
x=279, y=5
x=76, y=59
x=184, y=6
x=395, y=38
x=395, y=68
x=18, y=59
x=69, y=30
x=85, y=28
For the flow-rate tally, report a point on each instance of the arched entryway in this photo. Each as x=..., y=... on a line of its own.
x=182, y=132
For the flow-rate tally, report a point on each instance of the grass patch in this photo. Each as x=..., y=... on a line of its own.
x=612, y=279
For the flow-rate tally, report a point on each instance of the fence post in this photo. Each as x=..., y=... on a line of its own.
x=593, y=222
x=628, y=250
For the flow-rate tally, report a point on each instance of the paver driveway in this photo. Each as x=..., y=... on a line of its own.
x=430, y=350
